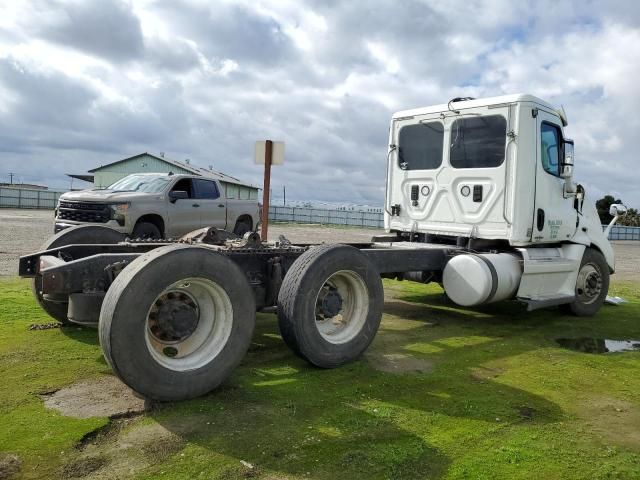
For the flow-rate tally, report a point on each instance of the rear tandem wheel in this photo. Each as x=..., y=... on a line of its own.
x=330, y=305
x=177, y=321
x=81, y=234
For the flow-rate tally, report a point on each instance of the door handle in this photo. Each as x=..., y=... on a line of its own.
x=221, y=205
x=196, y=204
x=540, y=219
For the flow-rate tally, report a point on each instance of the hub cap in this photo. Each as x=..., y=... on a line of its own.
x=589, y=283
x=341, y=308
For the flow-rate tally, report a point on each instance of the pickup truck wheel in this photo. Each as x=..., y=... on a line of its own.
x=81, y=234
x=330, y=305
x=242, y=227
x=177, y=321
x=592, y=284
x=146, y=230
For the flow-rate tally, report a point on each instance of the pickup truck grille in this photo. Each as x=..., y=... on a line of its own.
x=84, y=212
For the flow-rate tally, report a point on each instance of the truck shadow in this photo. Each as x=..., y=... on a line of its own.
x=88, y=335
x=362, y=421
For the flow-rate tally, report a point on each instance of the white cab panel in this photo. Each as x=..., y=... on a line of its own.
x=549, y=272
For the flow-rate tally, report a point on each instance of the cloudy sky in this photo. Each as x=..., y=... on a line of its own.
x=85, y=83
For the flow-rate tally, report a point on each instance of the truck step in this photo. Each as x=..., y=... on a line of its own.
x=544, y=302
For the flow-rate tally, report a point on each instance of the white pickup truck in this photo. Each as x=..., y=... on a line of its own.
x=161, y=205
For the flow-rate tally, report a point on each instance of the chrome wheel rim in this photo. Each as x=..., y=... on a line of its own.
x=188, y=324
x=341, y=307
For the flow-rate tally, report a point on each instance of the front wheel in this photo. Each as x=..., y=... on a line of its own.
x=592, y=284
x=177, y=321
x=330, y=305
x=146, y=231
x=242, y=227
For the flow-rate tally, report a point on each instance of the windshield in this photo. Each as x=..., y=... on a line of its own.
x=140, y=183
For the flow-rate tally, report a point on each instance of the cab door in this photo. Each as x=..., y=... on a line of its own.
x=555, y=218
x=184, y=213
x=213, y=212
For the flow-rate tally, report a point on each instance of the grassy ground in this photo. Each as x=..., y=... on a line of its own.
x=444, y=392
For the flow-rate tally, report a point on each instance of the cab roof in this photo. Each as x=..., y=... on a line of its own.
x=478, y=102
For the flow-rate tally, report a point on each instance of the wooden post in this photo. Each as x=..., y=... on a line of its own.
x=268, y=151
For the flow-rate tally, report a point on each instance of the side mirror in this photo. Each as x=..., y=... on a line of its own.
x=617, y=209
x=175, y=195
x=566, y=167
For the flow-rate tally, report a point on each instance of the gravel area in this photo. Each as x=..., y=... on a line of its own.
x=24, y=231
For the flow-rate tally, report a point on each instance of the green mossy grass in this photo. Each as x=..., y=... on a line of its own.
x=496, y=398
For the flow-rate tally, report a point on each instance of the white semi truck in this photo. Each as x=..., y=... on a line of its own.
x=480, y=198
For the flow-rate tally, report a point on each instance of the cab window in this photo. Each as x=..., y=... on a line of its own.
x=206, y=189
x=478, y=142
x=420, y=146
x=550, y=148
x=184, y=185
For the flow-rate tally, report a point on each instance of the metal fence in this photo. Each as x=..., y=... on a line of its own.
x=326, y=216
x=376, y=220
x=11, y=197
x=619, y=232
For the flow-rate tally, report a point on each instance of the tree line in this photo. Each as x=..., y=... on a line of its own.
x=630, y=219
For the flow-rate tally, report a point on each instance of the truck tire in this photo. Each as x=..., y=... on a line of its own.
x=146, y=230
x=177, y=321
x=242, y=227
x=330, y=305
x=592, y=284
x=81, y=234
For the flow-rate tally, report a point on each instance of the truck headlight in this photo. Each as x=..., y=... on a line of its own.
x=119, y=212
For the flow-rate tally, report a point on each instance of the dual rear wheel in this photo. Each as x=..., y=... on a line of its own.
x=330, y=305
x=81, y=234
x=178, y=320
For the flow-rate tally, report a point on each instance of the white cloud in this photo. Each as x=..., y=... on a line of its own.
x=204, y=80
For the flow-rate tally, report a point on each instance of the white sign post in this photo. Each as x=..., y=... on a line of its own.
x=268, y=153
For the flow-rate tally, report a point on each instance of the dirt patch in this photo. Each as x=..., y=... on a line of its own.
x=617, y=421
x=627, y=260
x=398, y=363
x=486, y=373
x=10, y=464
x=83, y=467
x=104, y=396
x=155, y=441
x=121, y=449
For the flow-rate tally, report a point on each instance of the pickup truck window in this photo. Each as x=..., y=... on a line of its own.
x=478, y=142
x=420, y=146
x=206, y=189
x=184, y=185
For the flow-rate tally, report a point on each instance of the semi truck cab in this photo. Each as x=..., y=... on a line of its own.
x=495, y=173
